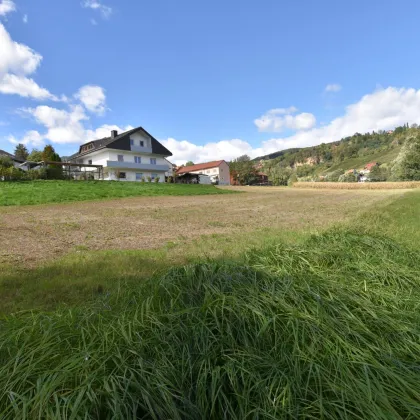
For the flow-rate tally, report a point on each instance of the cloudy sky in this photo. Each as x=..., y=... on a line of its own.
x=211, y=80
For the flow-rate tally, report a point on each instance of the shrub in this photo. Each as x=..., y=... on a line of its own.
x=11, y=174
x=5, y=162
x=149, y=179
x=33, y=174
x=407, y=165
x=143, y=180
x=347, y=177
x=157, y=179
x=292, y=180
x=378, y=174
x=334, y=176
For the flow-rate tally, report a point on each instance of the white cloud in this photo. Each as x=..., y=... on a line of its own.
x=31, y=138
x=16, y=62
x=333, y=87
x=105, y=11
x=279, y=119
x=7, y=6
x=16, y=58
x=23, y=86
x=93, y=22
x=93, y=98
x=25, y=19
x=63, y=126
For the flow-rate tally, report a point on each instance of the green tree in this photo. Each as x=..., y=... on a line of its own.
x=279, y=176
x=21, y=152
x=378, y=174
x=348, y=177
x=5, y=162
x=35, y=156
x=49, y=154
x=242, y=169
x=189, y=163
x=407, y=165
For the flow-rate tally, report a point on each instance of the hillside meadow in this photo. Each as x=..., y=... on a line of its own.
x=298, y=322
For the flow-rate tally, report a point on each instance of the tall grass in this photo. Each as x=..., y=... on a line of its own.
x=359, y=185
x=329, y=329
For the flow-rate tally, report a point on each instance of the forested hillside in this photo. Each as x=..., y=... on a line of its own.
x=346, y=159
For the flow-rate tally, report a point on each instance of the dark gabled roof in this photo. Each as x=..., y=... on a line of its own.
x=106, y=142
x=13, y=157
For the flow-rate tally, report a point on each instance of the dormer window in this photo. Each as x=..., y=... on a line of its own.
x=87, y=147
x=131, y=142
x=141, y=143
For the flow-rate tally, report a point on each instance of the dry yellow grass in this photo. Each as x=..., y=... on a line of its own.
x=359, y=185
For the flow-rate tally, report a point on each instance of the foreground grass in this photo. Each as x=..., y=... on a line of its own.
x=81, y=276
x=42, y=192
x=325, y=329
x=326, y=326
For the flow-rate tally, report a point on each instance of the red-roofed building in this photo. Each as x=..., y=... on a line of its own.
x=217, y=171
x=371, y=165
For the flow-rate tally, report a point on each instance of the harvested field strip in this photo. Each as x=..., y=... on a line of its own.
x=31, y=235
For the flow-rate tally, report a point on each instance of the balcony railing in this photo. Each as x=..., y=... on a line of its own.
x=139, y=166
x=141, y=149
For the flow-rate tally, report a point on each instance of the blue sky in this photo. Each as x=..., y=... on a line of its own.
x=212, y=79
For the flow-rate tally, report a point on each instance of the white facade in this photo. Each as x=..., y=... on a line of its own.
x=222, y=173
x=129, y=165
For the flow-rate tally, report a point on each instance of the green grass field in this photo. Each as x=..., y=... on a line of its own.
x=296, y=325
x=43, y=192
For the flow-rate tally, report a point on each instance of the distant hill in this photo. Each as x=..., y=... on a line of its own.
x=352, y=152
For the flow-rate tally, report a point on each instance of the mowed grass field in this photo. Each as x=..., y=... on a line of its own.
x=286, y=304
x=43, y=192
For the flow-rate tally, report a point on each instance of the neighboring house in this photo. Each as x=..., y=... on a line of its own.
x=16, y=162
x=128, y=156
x=370, y=165
x=217, y=171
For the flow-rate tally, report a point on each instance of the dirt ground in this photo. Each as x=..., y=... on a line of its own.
x=33, y=234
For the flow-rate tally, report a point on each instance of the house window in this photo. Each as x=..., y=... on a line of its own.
x=131, y=142
x=120, y=158
x=214, y=171
x=141, y=143
x=122, y=175
x=208, y=171
x=153, y=161
x=137, y=159
x=90, y=162
x=139, y=176
x=154, y=176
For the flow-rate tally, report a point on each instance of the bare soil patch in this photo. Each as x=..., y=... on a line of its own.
x=30, y=235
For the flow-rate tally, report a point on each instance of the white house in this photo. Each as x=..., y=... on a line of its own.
x=128, y=156
x=217, y=171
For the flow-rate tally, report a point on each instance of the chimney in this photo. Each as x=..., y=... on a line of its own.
x=114, y=133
